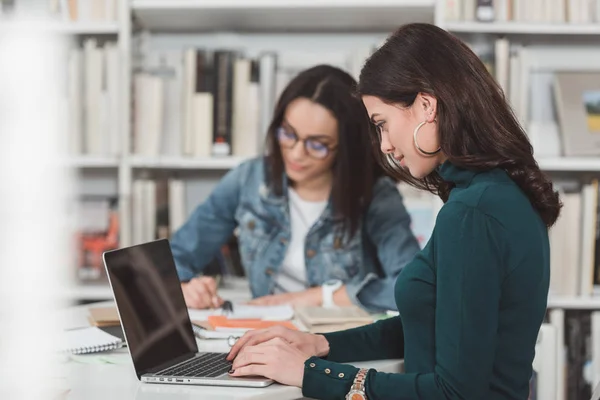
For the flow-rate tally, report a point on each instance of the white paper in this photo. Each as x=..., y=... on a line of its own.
x=243, y=311
x=266, y=313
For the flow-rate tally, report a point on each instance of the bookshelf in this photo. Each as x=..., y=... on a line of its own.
x=255, y=24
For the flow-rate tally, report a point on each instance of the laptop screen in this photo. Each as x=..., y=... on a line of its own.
x=153, y=313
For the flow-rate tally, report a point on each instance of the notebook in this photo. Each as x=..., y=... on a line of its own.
x=222, y=323
x=88, y=340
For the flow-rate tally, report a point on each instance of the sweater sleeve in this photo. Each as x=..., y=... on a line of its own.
x=378, y=341
x=467, y=251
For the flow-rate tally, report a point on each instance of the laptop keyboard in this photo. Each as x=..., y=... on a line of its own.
x=207, y=365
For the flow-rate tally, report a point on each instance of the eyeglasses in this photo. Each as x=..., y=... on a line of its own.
x=313, y=147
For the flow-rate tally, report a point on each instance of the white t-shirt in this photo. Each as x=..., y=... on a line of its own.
x=303, y=215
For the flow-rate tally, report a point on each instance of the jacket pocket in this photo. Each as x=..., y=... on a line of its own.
x=254, y=234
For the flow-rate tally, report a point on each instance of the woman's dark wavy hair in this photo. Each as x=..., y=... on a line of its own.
x=355, y=168
x=477, y=128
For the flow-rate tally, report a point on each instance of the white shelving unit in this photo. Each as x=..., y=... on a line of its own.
x=570, y=164
x=516, y=28
x=214, y=163
x=276, y=15
x=96, y=292
x=576, y=303
x=87, y=28
x=64, y=28
x=93, y=162
x=317, y=18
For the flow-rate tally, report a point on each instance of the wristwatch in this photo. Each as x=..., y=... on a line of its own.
x=329, y=288
x=357, y=391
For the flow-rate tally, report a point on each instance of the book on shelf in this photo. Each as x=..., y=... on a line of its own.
x=567, y=355
x=577, y=100
x=158, y=211
x=91, y=99
x=558, y=109
x=202, y=103
x=85, y=10
x=97, y=232
x=575, y=242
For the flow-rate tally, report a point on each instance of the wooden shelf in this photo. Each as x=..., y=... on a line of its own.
x=278, y=15
x=520, y=28
x=191, y=163
x=570, y=164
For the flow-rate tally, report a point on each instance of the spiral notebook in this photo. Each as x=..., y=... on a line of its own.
x=89, y=340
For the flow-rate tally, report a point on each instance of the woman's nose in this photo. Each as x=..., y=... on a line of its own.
x=386, y=146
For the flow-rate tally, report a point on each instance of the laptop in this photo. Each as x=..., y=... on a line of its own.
x=596, y=394
x=155, y=320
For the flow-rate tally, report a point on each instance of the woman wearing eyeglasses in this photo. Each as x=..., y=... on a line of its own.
x=318, y=223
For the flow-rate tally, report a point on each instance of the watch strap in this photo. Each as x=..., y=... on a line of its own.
x=359, y=380
x=328, y=292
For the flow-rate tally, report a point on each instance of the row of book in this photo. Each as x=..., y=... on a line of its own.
x=534, y=11
x=575, y=243
x=85, y=10
x=91, y=99
x=160, y=208
x=202, y=103
x=97, y=231
x=559, y=108
x=567, y=356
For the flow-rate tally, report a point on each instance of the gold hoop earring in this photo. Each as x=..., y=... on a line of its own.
x=427, y=153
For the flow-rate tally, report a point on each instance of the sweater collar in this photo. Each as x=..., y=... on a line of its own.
x=459, y=176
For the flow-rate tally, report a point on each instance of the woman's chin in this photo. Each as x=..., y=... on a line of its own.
x=415, y=172
x=295, y=176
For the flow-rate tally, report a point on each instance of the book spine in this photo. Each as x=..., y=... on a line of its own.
x=223, y=99
x=485, y=10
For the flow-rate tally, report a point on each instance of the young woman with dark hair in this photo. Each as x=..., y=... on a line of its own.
x=318, y=222
x=472, y=301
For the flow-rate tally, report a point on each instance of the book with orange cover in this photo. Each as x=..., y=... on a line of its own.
x=104, y=316
x=221, y=321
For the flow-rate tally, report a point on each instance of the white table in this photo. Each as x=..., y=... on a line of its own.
x=118, y=381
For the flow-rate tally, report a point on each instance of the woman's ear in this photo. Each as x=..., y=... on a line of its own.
x=428, y=105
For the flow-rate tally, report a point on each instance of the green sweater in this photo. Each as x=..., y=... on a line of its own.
x=471, y=304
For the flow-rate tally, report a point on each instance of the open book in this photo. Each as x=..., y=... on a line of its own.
x=323, y=320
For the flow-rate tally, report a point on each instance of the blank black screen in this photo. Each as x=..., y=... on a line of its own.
x=153, y=313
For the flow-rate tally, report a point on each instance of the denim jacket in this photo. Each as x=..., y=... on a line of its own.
x=368, y=263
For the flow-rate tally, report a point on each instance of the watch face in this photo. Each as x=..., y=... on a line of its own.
x=332, y=282
x=356, y=395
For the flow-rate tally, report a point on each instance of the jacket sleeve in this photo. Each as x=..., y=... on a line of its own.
x=211, y=224
x=387, y=225
x=468, y=253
